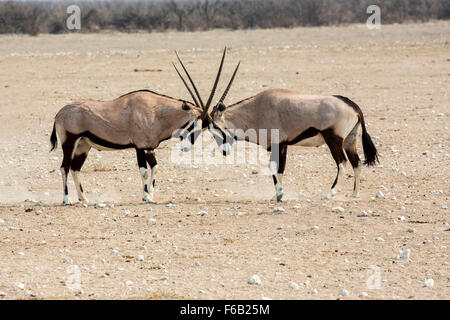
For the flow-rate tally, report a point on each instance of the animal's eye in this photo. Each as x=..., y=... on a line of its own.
x=221, y=107
x=185, y=107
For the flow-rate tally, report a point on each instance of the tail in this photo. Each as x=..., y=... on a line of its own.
x=53, y=139
x=370, y=151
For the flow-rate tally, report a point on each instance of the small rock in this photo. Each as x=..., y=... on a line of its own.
x=203, y=213
x=363, y=213
x=379, y=195
x=410, y=230
x=254, y=279
x=139, y=257
x=128, y=283
x=401, y=218
x=379, y=239
x=27, y=293
x=363, y=294
x=404, y=254
x=293, y=285
x=343, y=293
x=314, y=291
x=101, y=205
x=126, y=212
x=337, y=209
x=278, y=209
x=197, y=264
x=2, y=294
x=297, y=206
x=170, y=205
x=18, y=286
x=2, y=221
x=428, y=283
x=151, y=220
x=314, y=227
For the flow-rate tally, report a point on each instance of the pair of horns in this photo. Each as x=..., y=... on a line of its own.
x=199, y=102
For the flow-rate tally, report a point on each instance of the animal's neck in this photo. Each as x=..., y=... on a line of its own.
x=237, y=115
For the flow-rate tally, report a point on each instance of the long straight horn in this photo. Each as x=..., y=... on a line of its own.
x=213, y=91
x=192, y=82
x=229, y=84
x=187, y=87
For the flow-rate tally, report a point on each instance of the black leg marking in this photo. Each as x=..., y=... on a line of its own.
x=141, y=158
x=335, y=143
x=283, y=155
x=151, y=159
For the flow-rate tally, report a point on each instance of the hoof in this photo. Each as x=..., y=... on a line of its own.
x=277, y=197
x=330, y=194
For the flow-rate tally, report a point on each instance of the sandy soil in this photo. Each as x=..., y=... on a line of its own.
x=399, y=75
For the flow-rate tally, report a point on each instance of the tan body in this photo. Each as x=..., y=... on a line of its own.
x=294, y=119
x=139, y=120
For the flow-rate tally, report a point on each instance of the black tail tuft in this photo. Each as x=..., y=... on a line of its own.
x=370, y=152
x=53, y=139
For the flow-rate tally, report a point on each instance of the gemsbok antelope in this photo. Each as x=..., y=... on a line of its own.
x=296, y=120
x=139, y=119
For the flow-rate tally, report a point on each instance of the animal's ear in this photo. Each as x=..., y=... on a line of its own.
x=221, y=107
x=185, y=106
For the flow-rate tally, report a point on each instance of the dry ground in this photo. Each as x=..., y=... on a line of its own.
x=399, y=75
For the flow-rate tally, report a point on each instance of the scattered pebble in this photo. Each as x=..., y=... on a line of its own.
x=401, y=218
x=363, y=294
x=128, y=283
x=293, y=285
x=314, y=291
x=314, y=227
x=151, y=220
x=126, y=212
x=297, y=206
x=428, y=283
x=404, y=254
x=410, y=230
x=2, y=294
x=197, y=264
x=379, y=195
x=278, y=209
x=101, y=205
x=337, y=209
x=254, y=279
x=203, y=213
x=18, y=286
x=139, y=257
x=379, y=239
x=343, y=293
x=363, y=213
x=2, y=221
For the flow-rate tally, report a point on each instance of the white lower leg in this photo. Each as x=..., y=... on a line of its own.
x=65, y=191
x=76, y=179
x=152, y=180
x=144, y=176
x=333, y=190
x=357, y=172
x=278, y=187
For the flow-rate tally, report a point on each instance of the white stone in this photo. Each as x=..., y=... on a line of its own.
x=428, y=283
x=404, y=254
x=278, y=209
x=314, y=291
x=362, y=213
x=293, y=285
x=128, y=283
x=126, y=212
x=254, y=279
x=2, y=221
x=139, y=257
x=379, y=195
x=343, y=293
x=363, y=294
x=314, y=227
x=203, y=213
x=297, y=206
x=151, y=220
x=401, y=218
x=379, y=239
x=337, y=209
x=2, y=294
x=101, y=205
x=18, y=286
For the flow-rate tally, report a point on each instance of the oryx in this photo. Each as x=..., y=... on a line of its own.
x=139, y=119
x=296, y=120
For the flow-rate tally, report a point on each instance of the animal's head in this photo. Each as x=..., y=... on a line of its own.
x=209, y=121
x=191, y=128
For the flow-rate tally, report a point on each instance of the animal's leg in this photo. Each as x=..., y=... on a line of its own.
x=277, y=170
x=151, y=160
x=335, y=143
x=352, y=155
x=68, y=147
x=142, y=163
x=80, y=155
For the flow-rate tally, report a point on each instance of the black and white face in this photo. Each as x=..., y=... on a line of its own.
x=222, y=135
x=191, y=130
